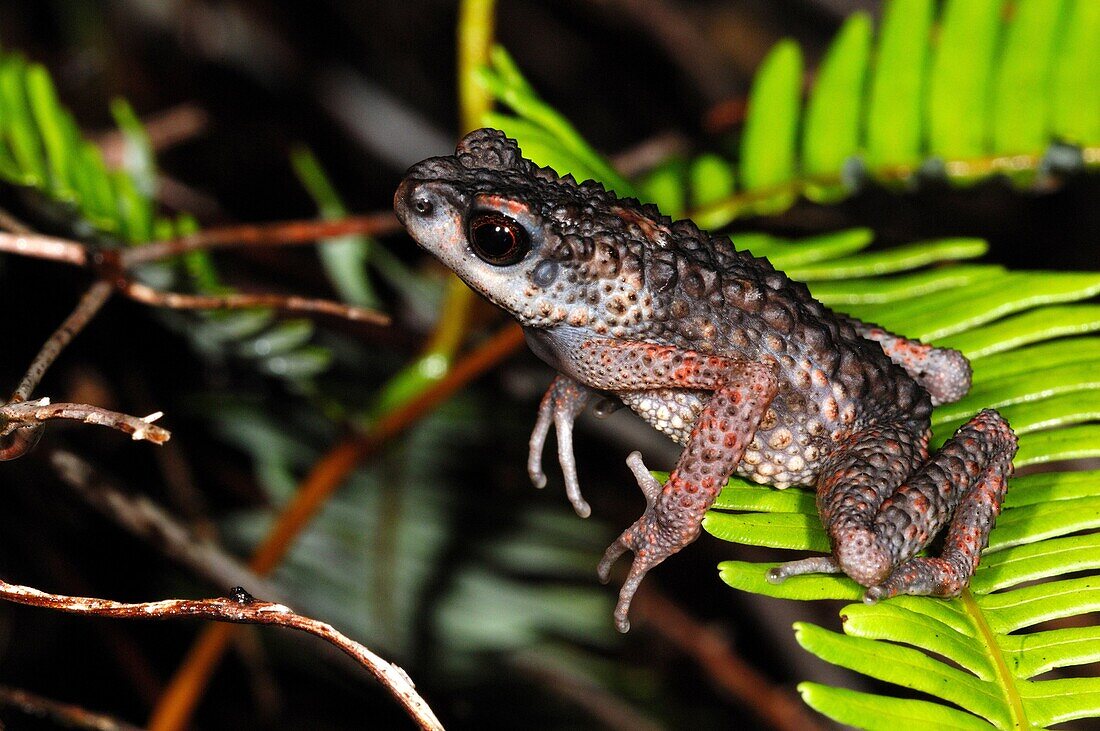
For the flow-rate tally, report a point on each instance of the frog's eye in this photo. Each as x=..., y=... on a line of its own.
x=497, y=239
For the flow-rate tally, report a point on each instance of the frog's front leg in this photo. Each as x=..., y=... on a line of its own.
x=740, y=392
x=563, y=403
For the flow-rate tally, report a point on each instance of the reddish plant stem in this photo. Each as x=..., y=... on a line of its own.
x=284, y=233
x=176, y=301
x=44, y=247
x=725, y=668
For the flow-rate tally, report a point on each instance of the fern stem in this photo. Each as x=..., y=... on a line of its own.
x=719, y=213
x=475, y=44
x=1005, y=678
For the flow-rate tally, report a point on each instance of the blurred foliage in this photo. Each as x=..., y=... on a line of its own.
x=986, y=93
x=44, y=154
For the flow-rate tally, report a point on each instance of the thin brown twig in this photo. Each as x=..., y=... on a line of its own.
x=38, y=246
x=22, y=430
x=725, y=668
x=237, y=301
x=241, y=609
x=112, y=265
x=146, y=520
x=23, y=414
x=64, y=714
x=283, y=233
x=165, y=129
x=92, y=301
x=10, y=222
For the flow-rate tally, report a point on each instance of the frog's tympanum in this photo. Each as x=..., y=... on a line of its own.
x=728, y=357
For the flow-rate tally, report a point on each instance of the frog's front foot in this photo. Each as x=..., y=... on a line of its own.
x=563, y=402
x=652, y=539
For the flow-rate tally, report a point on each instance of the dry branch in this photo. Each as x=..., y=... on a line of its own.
x=282, y=233
x=239, y=609
x=92, y=301
x=21, y=415
x=237, y=301
x=146, y=520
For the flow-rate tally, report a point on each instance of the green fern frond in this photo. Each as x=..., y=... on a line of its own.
x=971, y=93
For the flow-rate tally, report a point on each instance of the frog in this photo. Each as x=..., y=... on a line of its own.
x=729, y=357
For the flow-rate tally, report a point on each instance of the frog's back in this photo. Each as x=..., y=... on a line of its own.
x=711, y=297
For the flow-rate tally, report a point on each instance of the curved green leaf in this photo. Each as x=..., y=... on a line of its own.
x=1021, y=102
x=1030, y=327
x=1038, y=652
x=897, y=624
x=907, y=667
x=961, y=78
x=768, y=142
x=1076, y=75
x=896, y=104
x=898, y=259
x=831, y=132
x=884, y=713
x=877, y=290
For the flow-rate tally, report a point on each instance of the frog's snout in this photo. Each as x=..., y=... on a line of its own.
x=432, y=212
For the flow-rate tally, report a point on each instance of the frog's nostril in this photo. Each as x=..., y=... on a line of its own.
x=414, y=199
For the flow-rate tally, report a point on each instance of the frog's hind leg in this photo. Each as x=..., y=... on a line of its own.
x=876, y=544
x=969, y=477
x=942, y=372
x=854, y=484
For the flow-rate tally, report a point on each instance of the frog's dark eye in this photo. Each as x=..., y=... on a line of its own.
x=497, y=239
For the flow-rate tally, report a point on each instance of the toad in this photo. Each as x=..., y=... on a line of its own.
x=730, y=358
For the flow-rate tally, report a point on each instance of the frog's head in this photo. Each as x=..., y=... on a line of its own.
x=545, y=248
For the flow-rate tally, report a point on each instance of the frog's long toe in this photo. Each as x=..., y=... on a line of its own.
x=644, y=559
x=814, y=565
x=649, y=484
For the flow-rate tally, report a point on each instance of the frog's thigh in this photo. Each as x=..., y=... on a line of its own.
x=669, y=410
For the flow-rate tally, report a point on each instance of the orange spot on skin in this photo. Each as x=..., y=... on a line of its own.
x=506, y=205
